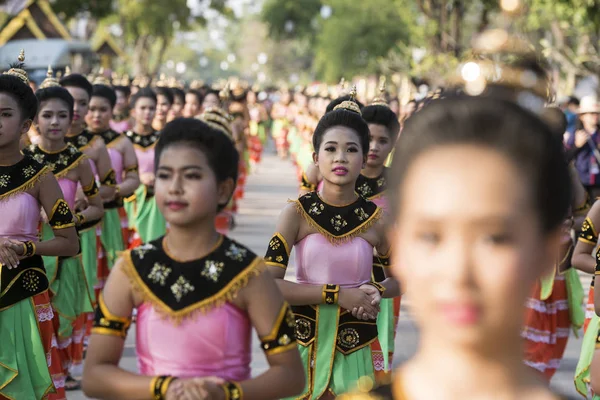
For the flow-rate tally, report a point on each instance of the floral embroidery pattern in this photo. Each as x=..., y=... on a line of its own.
x=31, y=281
x=181, y=288
x=274, y=244
x=82, y=140
x=4, y=180
x=338, y=222
x=380, y=182
x=29, y=171
x=236, y=253
x=365, y=189
x=316, y=208
x=361, y=214
x=159, y=274
x=143, y=250
x=212, y=270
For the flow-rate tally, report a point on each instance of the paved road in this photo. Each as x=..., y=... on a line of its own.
x=267, y=192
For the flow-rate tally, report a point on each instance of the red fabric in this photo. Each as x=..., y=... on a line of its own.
x=547, y=328
x=589, y=309
x=255, y=147
x=102, y=270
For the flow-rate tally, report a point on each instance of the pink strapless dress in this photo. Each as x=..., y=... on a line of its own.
x=213, y=344
x=145, y=160
x=318, y=262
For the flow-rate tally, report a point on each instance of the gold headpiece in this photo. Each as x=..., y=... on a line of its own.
x=101, y=80
x=224, y=93
x=17, y=69
x=50, y=80
x=380, y=100
x=350, y=105
x=162, y=81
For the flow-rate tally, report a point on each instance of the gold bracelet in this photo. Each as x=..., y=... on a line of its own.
x=233, y=390
x=159, y=386
x=330, y=294
x=29, y=248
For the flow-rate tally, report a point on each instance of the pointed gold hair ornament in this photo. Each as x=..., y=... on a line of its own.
x=50, y=80
x=67, y=70
x=17, y=68
x=380, y=100
x=350, y=105
x=217, y=117
x=224, y=93
x=101, y=80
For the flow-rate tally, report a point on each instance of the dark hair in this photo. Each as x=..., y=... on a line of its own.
x=213, y=92
x=198, y=94
x=143, y=93
x=166, y=92
x=499, y=125
x=105, y=92
x=382, y=115
x=178, y=93
x=78, y=81
x=340, y=100
x=219, y=149
x=22, y=94
x=56, y=92
x=123, y=89
x=342, y=117
x=556, y=120
x=573, y=101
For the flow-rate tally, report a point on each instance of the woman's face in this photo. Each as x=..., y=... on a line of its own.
x=380, y=145
x=590, y=119
x=468, y=245
x=99, y=114
x=145, y=110
x=192, y=105
x=162, y=107
x=53, y=119
x=176, y=108
x=211, y=100
x=340, y=157
x=11, y=124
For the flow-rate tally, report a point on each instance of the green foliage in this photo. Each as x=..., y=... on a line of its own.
x=280, y=15
x=70, y=8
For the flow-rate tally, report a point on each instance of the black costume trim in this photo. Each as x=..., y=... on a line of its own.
x=233, y=390
x=380, y=263
x=26, y=280
x=109, y=137
x=306, y=184
x=82, y=141
x=588, y=233
x=338, y=224
x=132, y=168
x=110, y=179
x=282, y=337
x=372, y=188
x=61, y=216
x=91, y=190
x=106, y=323
x=278, y=253
x=177, y=289
x=143, y=142
x=60, y=162
x=330, y=294
x=353, y=333
x=20, y=177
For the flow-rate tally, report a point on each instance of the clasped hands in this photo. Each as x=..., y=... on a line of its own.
x=196, y=389
x=10, y=252
x=363, y=301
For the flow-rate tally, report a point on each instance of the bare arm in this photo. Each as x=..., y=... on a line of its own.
x=131, y=181
x=94, y=209
x=103, y=165
x=583, y=258
x=285, y=376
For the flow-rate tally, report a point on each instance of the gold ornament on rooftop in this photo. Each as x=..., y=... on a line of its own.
x=17, y=69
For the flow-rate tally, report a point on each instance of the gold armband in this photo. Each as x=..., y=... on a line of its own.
x=597, y=269
x=80, y=219
x=379, y=287
x=159, y=386
x=28, y=249
x=91, y=190
x=588, y=232
x=110, y=179
x=105, y=323
x=278, y=253
x=330, y=294
x=233, y=390
x=283, y=334
x=132, y=168
x=61, y=216
x=380, y=263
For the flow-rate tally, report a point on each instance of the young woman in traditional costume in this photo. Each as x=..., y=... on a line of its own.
x=72, y=296
x=144, y=216
x=335, y=299
x=30, y=364
x=92, y=252
x=195, y=285
x=193, y=103
x=470, y=257
x=372, y=185
x=164, y=102
x=176, y=109
x=120, y=122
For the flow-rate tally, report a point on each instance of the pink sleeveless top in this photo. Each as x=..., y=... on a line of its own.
x=319, y=262
x=213, y=344
x=382, y=201
x=20, y=217
x=116, y=160
x=145, y=160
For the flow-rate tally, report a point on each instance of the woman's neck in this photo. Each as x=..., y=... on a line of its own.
x=192, y=242
x=158, y=124
x=142, y=129
x=99, y=130
x=338, y=195
x=10, y=154
x=373, y=172
x=75, y=129
x=497, y=372
x=51, y=145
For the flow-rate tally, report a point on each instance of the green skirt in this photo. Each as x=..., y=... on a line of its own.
x=89, y=259
x=144, y=216
x=588, y=347
x=23, y=366
x=112, y=236
x=385, y=327
x=69, y=287
x=326, y=368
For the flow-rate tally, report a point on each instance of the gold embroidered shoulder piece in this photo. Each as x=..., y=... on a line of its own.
x=338, y=224
x=143, y=142
x=59, y=162
x=372, y=188
x=110, y=137
x=82, y=141
x=20, y=177
x=178, y=289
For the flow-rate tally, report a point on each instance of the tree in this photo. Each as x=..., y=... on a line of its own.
x=96, y=8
